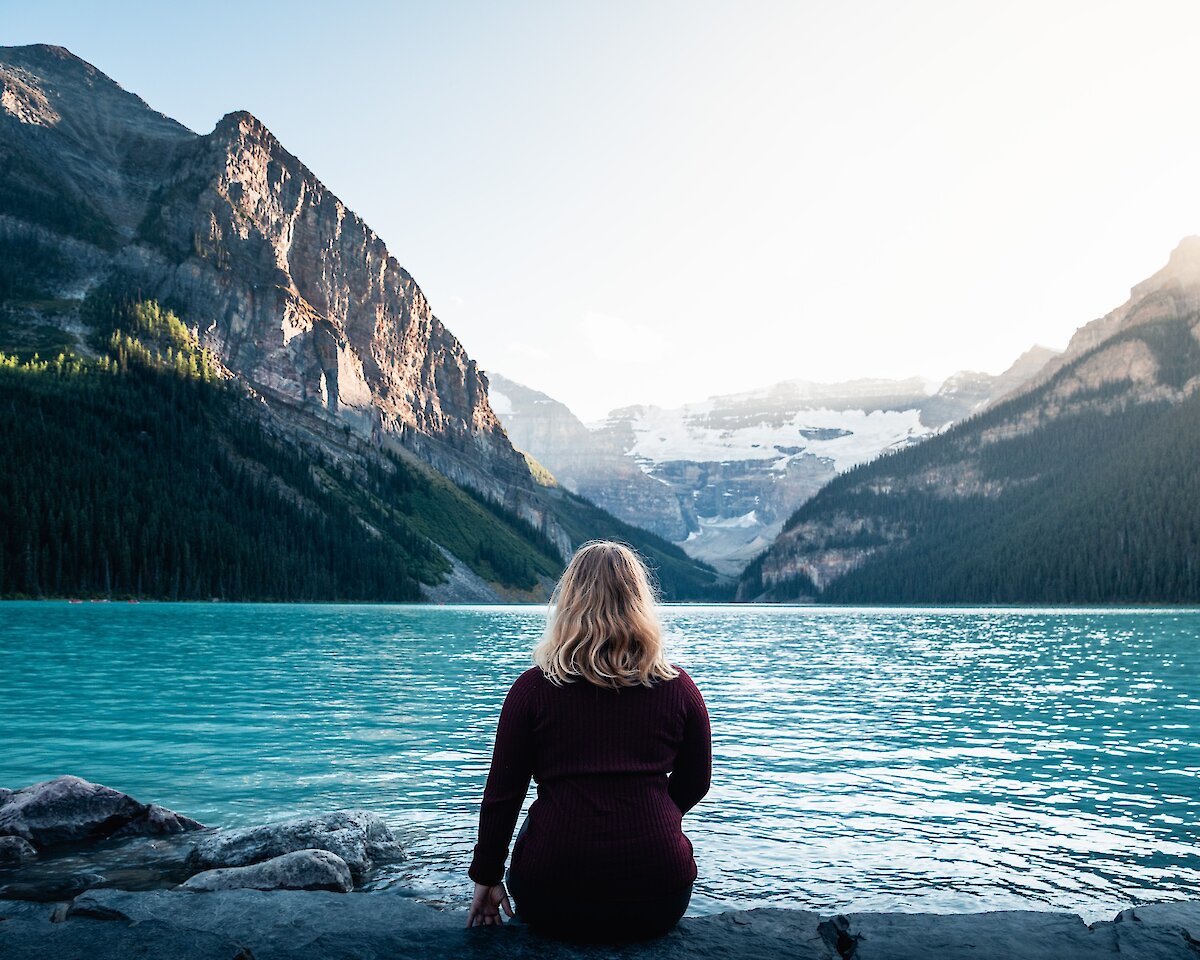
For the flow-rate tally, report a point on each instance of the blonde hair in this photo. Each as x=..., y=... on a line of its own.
x=603, y=627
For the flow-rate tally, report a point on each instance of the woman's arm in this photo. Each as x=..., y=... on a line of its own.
x=692, y=774
x=507, y=784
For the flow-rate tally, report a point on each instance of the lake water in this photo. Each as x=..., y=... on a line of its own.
x=907, y=759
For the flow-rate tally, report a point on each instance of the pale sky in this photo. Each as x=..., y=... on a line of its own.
x=621, y=202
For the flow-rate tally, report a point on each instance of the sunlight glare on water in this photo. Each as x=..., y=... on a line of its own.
x=881, y=759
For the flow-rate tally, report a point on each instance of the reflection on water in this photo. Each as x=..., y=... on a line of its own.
x=864, y=759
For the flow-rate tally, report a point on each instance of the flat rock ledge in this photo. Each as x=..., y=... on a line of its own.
x=296, y=925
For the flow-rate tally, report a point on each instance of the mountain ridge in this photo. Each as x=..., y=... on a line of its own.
x=108, y=208
x=720, y=476
x=1104, y=426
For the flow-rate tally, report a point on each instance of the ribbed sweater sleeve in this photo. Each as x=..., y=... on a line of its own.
x=507, y=783
x=692, y=774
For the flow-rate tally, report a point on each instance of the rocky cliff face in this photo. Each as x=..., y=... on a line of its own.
x=1145, y=353
x=585, y=462
x=291, y=290
x=721, y=476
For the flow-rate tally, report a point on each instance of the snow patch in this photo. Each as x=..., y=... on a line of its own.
x=662, y=435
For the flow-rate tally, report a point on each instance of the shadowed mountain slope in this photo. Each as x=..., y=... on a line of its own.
x=1081, y=487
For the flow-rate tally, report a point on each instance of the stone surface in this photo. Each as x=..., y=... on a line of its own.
x=155, y=821
x=130, y=863
x=326, y=926
x=302, y=870
x=39, y=940
x=1157, y=930
x=50, y=889
x=358, y=837
x=998, y=935
x=72, y=810
x=292, y=925
x=26, y=910
x=15, y=850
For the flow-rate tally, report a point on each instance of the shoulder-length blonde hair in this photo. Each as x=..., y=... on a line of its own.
x=603, y=627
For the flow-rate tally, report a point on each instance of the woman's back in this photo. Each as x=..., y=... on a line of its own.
x=616, y=770
x=618, y=740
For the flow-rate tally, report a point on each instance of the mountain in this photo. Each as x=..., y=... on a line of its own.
x=585, y=461
x=1080, y=486
x=720, y=476
x=129, y=243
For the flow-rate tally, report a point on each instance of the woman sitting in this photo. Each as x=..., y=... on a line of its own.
x=618, y=741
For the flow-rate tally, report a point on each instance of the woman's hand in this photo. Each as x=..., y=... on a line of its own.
x=486, y=904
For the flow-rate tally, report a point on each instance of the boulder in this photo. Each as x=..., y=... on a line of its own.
x=72, y=810
x=15, y=850
x=155, y=821
x=302, y=870
x=358, y=837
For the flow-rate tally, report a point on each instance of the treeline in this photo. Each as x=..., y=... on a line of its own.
x=142, y=484
x=494, y=542
x=1096, y=508
x=139, y=473
x=1098, y=505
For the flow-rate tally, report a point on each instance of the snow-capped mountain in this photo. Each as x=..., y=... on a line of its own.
x=720, y=476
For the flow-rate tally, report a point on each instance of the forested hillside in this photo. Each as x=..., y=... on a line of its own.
x=139, y=472
x=1082, y=489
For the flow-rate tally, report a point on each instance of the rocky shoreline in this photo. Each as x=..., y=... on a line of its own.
x=285, y=891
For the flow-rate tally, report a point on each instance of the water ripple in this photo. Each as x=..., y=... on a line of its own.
x=864, y=759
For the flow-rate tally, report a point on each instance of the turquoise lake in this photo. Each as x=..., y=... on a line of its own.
x=865, y=759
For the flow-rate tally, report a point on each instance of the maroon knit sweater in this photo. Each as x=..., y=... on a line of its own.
x=607, y=816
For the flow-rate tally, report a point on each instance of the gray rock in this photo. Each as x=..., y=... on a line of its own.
x=998, y=935
x=48, y=889
x=302, y=870
x=36, y=940
x=325, y=926
x=5, y=793
x=130, y=863
x=155, y=821
x=296, y=925
x=15, y=850
x=25, y=910
x=71, y=810
x=358, y=837
x=292, y=924
x=762, y=934
x=1160, y=931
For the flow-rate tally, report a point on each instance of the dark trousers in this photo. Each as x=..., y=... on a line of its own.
x=612, y=917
